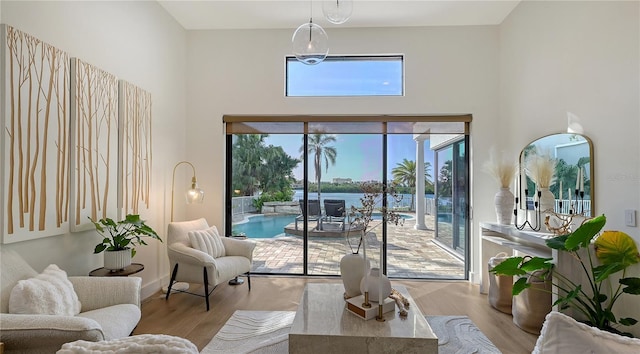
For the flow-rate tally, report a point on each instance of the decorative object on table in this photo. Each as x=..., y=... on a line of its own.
x=541, y=169
x=120, y=239
x=502, y=170
x=563, y=224
x=616, y=251
x=401, y=301
x=353, y=267
x=535, y=214
x=375, y=282
x=193, y=195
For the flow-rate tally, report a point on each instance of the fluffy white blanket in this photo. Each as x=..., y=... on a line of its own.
x=140, y=344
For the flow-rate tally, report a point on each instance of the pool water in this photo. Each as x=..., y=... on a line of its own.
x=261, y=226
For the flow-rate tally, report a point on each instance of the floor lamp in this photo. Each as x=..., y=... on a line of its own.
x=193, y=195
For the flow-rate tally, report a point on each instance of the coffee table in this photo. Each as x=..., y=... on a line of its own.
x=323, y=325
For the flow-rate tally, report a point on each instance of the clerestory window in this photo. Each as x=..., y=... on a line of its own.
x=354, y=75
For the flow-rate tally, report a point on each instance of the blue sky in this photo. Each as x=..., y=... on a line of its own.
x=359, y=157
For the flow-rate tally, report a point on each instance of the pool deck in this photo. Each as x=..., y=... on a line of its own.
x=411, y=253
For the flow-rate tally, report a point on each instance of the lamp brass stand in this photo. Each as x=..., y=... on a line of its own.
x=193, y=195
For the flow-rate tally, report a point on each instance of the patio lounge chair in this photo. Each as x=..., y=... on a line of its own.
x=314, y=213
x=335, y=211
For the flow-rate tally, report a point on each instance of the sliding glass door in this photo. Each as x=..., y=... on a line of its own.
x=294, y=186
x=452, y=196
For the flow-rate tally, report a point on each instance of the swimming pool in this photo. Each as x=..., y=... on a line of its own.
x=262, y=226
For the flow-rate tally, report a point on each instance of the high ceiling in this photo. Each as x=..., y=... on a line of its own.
x=267, y=14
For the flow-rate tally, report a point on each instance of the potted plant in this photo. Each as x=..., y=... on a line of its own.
x=120, y=238
x=614, y=252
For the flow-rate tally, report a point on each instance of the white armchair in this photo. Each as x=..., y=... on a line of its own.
x=110, y=310
x=204, y=263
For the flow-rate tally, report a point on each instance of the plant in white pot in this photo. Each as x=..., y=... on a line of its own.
x=120, y=238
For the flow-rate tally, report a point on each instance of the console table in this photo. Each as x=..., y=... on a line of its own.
x=498, y=238
x=323, y=325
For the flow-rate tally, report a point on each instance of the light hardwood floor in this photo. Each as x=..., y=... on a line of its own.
x=185, y=315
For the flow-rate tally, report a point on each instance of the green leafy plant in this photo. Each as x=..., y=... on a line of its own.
x=124, y=234
x=614, y=252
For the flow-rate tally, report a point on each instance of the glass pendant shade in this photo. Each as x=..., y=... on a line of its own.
x=310, y=43
x=337, y=11
x=195, y=194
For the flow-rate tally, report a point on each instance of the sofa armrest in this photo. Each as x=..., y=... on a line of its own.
x=234, y=247
x=99, y=292
x=45, y=333
x=180, y=253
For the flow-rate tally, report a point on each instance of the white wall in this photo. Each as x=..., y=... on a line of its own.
x=580, y=57
x=138, y=42
x=448, y=70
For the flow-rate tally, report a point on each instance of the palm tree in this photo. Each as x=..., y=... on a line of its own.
x=405, y=174
x=318, y=145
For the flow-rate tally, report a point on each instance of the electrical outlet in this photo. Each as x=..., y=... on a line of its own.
x=630, y=217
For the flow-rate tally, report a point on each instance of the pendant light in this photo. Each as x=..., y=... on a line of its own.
x=310, y=43
x=337, y=11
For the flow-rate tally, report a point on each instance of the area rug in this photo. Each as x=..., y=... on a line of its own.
x=459, y=335
x=267, y=332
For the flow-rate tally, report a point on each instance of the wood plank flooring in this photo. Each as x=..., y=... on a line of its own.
x=185, y=315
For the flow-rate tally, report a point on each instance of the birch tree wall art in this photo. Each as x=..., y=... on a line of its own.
x=94, y=152
x=135, y=120
x=34, y=146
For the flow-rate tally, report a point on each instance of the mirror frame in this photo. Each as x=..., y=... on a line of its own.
x=522, y=178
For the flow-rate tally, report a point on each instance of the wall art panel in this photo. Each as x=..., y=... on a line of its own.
x=34, y=106
x=94, y=141
x=136, y=152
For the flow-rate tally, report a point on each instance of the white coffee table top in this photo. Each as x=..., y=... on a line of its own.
x=322, y=312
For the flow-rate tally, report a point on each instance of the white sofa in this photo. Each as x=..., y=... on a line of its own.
x=110, y=309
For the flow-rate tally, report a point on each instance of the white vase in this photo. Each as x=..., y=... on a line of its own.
x=374, y=283
x=547, y=200
x=352, y=268
x=117, y=260
x=504, y=201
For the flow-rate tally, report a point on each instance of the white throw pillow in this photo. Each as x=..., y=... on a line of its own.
x=562, y=334
x=48, y=293
x=208, y=241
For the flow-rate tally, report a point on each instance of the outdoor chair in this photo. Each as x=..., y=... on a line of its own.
x=314, y=213
x=335, y=211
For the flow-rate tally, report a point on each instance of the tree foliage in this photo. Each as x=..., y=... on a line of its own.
x=257, y=166
x=404, y=174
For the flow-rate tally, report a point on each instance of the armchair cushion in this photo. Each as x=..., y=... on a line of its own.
x=208, y=241
x=48, y=293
